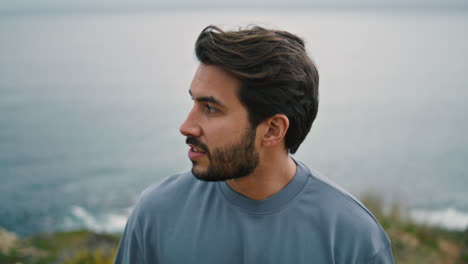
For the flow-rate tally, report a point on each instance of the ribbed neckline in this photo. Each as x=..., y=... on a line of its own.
x=272, y=203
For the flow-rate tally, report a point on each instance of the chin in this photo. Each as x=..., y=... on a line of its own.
x=201, y=175
x=205, y=175
x=198, y=171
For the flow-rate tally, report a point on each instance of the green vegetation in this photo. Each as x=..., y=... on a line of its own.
x=76, y=247
x=412, y=243
x=415, y=243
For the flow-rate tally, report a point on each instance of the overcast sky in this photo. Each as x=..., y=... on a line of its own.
x=6, y=5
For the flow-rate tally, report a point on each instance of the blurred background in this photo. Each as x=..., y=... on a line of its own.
x=92, y=95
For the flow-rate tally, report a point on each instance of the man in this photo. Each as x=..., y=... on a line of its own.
x=246, y=200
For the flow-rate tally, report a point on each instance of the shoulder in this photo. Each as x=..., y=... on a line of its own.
x=336, y=196
x=334, y=199
x=166, y=198
x=172, y=183
x=348, y=222
x=161, y=198
x=153, y=202
x=167, y=192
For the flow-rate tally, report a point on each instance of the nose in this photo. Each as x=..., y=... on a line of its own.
x=190, y=126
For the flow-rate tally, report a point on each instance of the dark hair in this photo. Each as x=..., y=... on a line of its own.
x=276, y=74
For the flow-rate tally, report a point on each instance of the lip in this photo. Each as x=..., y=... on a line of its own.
x=194, y=154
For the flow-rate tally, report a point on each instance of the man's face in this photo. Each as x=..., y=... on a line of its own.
x=221, y=140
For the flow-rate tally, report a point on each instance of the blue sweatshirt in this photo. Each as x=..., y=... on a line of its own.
x=311, y=220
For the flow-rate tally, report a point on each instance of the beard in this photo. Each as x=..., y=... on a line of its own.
x=235, y=160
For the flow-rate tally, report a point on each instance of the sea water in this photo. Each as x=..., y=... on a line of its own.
x=90, y=105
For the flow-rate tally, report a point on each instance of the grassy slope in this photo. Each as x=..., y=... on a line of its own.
x=416, y=243
x=74, y=247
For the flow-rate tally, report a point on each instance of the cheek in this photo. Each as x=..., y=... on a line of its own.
x=221, y=133
x=218, y=135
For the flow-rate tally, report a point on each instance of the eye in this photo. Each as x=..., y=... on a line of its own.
x=210, y=109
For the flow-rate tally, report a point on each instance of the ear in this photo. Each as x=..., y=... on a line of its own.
x=275, y=129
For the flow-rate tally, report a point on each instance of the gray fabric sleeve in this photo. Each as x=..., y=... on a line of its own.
x=129, y=250
x=383, y=256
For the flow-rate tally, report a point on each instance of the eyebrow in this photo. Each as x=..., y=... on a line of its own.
x=209, y=99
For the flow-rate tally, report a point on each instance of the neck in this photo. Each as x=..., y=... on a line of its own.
x=271, y=175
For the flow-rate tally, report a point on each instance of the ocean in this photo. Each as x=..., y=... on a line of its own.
x=90, y=105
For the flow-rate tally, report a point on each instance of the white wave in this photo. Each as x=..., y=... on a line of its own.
x=115, y=222
x=86, y=218
x=110, y=222
x=449, y=218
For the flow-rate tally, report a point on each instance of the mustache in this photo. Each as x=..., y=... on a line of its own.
x=197, y=143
